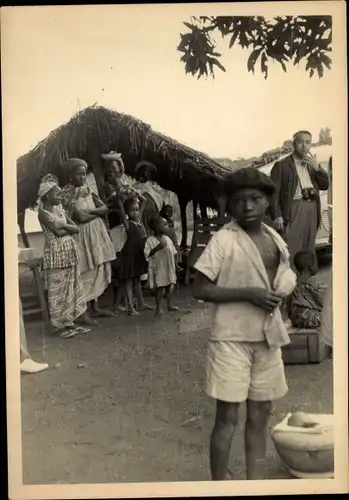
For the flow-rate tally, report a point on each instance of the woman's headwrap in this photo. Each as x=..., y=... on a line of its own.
x=145, y=164
x=48, y=182
x=114, y=156
x=74, y=163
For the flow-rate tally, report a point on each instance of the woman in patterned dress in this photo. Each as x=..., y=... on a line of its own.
x=66, y=300
x=96, y=249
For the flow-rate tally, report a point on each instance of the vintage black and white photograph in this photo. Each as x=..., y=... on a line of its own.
x=168, y=199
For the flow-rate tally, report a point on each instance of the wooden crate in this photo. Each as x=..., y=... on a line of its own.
x=305, y=347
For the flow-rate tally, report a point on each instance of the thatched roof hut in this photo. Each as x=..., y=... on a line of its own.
x=95, y=130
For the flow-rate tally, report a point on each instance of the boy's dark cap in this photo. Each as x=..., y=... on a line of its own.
x=249, y=178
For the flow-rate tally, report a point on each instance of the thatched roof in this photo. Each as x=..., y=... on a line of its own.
x=98, y=130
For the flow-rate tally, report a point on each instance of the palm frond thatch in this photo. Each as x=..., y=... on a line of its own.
x=97, y=130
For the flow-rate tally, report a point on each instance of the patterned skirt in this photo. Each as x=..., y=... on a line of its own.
x=66, y=297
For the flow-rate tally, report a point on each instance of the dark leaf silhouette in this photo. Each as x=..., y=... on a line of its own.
x=253, y=59
x=233, y=39
x=264, y=65
x=287, y=40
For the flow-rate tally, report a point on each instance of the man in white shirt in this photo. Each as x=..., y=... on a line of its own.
x=245, y=272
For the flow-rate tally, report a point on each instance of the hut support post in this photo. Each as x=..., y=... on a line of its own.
x=222, y=205
x=195, y=210
x=203, y=211
x=183, y=207
x=21, y=222
x=97, y=168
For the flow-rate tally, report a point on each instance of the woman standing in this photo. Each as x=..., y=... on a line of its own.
x=95, y=246
x=116, y=187
x=66, y=301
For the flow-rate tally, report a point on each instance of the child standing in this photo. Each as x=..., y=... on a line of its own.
x=167, y=216
x=245, y=272
x=305, y=304
x=161, y=254
x=131, y=264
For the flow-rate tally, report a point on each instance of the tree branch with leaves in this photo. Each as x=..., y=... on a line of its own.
x=286, y=40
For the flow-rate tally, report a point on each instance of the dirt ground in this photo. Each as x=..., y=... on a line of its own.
x=126, y=403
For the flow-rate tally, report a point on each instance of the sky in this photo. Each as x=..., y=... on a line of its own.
x=62, y=59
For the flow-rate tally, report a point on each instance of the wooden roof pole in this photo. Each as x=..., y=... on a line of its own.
x=21, y=224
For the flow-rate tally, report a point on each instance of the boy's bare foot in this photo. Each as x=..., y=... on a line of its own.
x=133, y=312
x=102, y=312
x=159, y=312
x=85, y=319
x=173, y=308
x=229, y=475
x=146, y=307
x=119, y=309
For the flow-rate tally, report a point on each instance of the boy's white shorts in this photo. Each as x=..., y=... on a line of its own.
x=237, y=371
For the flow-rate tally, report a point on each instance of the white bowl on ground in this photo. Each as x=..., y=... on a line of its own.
x=308, y=453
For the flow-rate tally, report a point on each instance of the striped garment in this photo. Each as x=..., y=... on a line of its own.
x=61, y=273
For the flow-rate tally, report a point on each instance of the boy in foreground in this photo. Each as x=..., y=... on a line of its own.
x=245, y=272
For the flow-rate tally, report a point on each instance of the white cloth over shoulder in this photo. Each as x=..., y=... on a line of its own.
x=162, y=265
x=232, y=260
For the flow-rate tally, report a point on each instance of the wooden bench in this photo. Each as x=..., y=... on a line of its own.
x=204, y=229
x=305, y=347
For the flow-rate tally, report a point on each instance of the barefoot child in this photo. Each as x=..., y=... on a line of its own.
x=131, y=264
x=167, y=216
x=161, y=255
x=245, y=272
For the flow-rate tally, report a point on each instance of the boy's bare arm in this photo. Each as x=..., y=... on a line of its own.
x=207, y=291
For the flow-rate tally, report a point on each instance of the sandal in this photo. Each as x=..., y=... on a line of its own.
x=82, y=330
x=69, y=333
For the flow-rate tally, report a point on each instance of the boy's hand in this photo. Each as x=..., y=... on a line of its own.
x=279, y=224
x=162, y=243
x=263, y=298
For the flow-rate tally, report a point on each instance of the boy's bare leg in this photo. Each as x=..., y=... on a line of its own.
x=139, y=295
x=129, y=299
x=85, y=318
x=159, y=292
x=227, y=415
x=256, y=429
x=98, y=311
x=169, y=295
x=119, y=296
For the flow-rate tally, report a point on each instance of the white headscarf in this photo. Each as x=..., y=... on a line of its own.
x=47, y=183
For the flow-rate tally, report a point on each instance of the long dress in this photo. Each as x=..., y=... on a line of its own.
x=162, y=265
x=61, y=272
x=131, y=263
x=96, y=251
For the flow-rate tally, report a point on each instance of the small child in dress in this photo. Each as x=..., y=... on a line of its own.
x=131, y=264
x=305, y=304
x=161, y=255
x=167, y=216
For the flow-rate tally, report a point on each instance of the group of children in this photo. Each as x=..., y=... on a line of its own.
x=155, y=255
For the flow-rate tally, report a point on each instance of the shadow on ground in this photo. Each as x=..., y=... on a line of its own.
x=126, y=403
